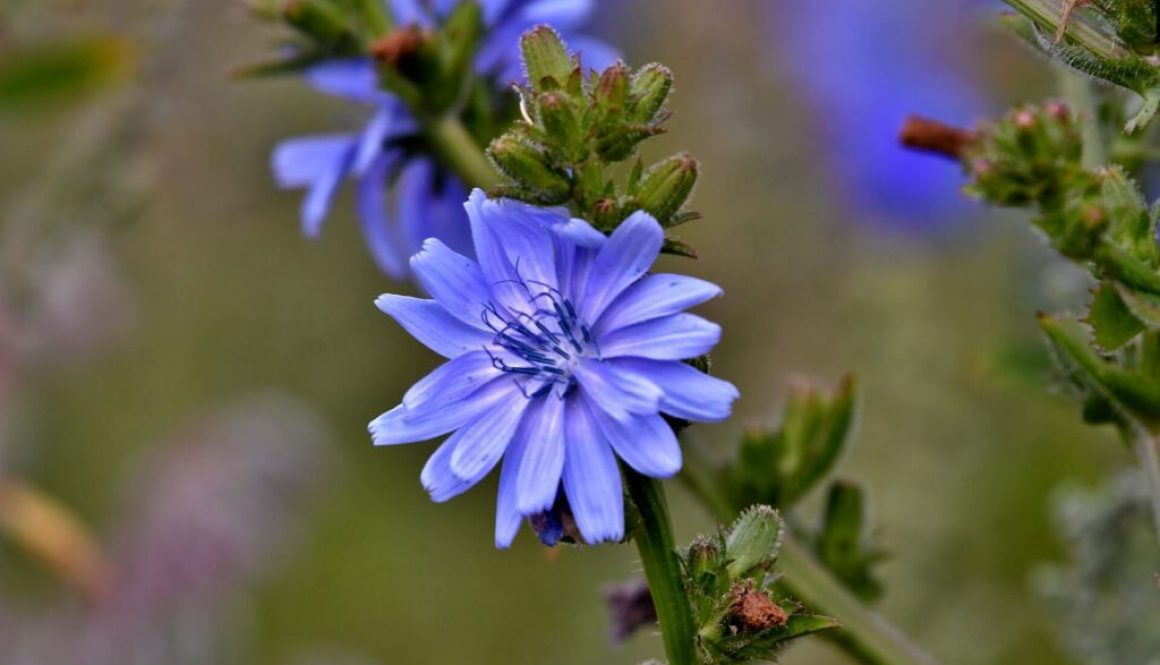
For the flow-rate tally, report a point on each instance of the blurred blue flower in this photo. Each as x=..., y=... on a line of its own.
x=425, y=200
x=865, y=67
x=562, y=356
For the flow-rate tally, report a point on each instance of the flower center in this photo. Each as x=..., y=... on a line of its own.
x=541, y=346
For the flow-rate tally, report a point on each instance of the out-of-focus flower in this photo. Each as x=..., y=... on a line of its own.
x=404, y=198
x=211, y=513
x=562, y=355
x=864, y=68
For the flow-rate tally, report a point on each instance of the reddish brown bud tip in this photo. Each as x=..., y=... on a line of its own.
x=935, y=137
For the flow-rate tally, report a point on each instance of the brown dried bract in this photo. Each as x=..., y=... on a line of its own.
x=399, y=45
x=933, y=136
x=754, y=611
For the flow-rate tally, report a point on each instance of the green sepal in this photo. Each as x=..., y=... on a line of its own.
x=678, y=247
x=529, y=167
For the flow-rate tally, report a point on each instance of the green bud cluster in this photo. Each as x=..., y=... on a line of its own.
x=1111, y=40
x=739, y=615
x=1032, y=158
x=577, y=125
x=780, y=465
x=1097, y=217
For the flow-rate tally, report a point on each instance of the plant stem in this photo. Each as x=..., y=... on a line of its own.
x=864, y=635
x=654, y=540
x=458, y=151
x=1079, y=92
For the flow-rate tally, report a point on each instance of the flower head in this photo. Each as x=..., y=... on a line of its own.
x=562, y=355
x=424, y=200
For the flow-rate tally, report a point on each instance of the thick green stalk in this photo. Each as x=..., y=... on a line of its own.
x=662, y=568
x=864, y=635
x=458, y=151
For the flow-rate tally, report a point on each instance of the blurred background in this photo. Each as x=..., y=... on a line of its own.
x=192, y=379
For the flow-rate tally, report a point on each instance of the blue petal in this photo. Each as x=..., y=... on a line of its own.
x=628, y=254
x=507, y=516
x=581, y=233
x=373, y=137
x=318, y=200
x=674, y=337
x=655, y=296
x=646, y=443
x=452, y=381
x=617, y=392
x=594, y=53
x=403, y=425
x=439, y=481
x=513, y=242
x=591, y=478
x=688, y=393
x=408, y=12
x=413, y=201
x=382, y=237
x=452, y=279
x=429, y=322
x=351, y=78
x=558, y=13
x=302, y=161
x=539, y=474
x=480, y=443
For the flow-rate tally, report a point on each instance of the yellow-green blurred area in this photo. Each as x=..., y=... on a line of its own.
x=960, y=446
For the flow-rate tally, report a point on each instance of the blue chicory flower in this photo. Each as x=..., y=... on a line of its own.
x=562, y=355
x=865, y=67
x=424, y=201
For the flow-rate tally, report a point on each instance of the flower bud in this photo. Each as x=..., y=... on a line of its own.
x=666, y=186
x=546, y=59
x=527, y=166
x=754, y=541
x=562, y=124
x=649, y=92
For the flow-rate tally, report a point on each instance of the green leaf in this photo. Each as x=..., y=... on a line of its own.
x=1131, y=392
x=1112, y=321
x=1144, y=306
x=33, y=76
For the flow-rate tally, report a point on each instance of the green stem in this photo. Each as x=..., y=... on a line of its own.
x=1079, y=92
x=457, y=150
x=865, y=636
x=662, y=569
